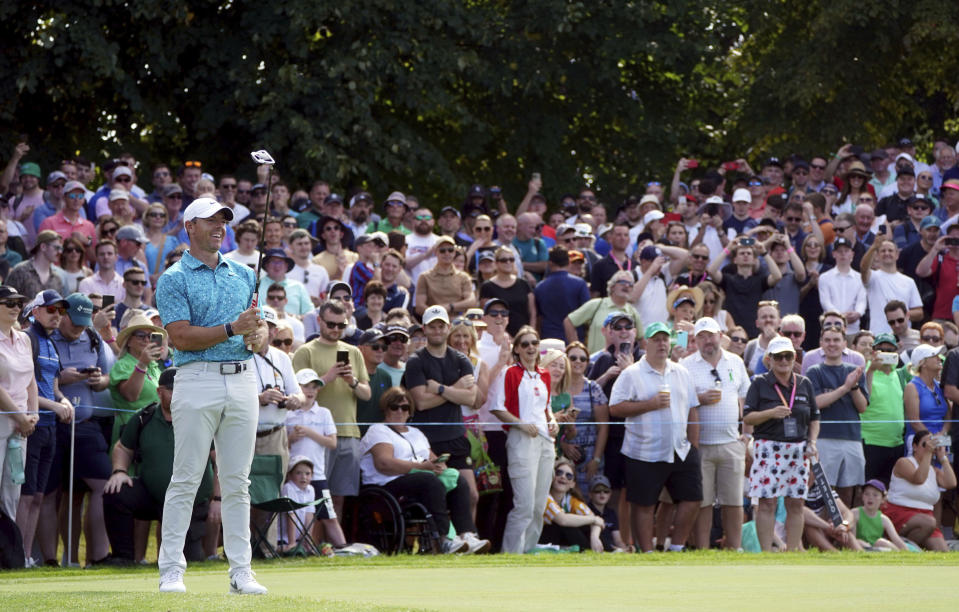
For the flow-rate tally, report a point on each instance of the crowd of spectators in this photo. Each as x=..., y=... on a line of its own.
x=582, y=373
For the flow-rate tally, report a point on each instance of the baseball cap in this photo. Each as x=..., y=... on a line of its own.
x=56, y=175
x=170, y=189
x=73, y=186
x=773, y=161
x=374, y=237
x=780, y=344
x=50, y=297
x=204, y=208
x=876, y=484
x=656, y=328
x=843, y=242
x=614, y=316
x=950, y=184
x=335, y=285
x=924, y=351
x=477, y=191
x=80, y=309
x=333, y=198
x=706, y=324
x=434, y=313
x=653, y=215
x=9, y=293
x=297, y=460
x=306, y=376
x=650, y=252
x=30, y=169
x=905, y=142
x=119, y=194
x=132, y=232
x=166, y=378
x=370, y=336
x=447, y=209
x=269, y=314
x=583, y=230
x=363, y=196
x=885, y=338
x=494, y=302
x=930, y=221
x=878, y=154
x=122, y=171
x=605, y=227
x=444, y=238
x=649, y=198
x=599, y=481
x=397, y=330
x=905, y=171
x=258, y=187
x=487, y=255
x=742, y=195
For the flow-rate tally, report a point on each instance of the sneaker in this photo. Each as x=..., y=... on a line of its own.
x=451, y=546
x=171, y=581
x=476, y=545
x=243, y=582
x=29, y=563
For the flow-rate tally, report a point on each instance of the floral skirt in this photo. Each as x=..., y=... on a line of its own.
x=779, y=469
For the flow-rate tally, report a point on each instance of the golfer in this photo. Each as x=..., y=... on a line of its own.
x=204, y=302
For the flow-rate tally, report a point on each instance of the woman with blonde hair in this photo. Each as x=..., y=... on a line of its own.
x=513, y=290
x=462, y=338
x=161, y=243
x=713, y=298
x=520, y=398
x=586, y=445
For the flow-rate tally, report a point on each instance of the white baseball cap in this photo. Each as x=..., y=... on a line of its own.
x=653, y=215
x=742, y=195
x=435, y=312
x=269, y=314
x=306, y=376
x=204, y=208
x=649, y=197
x=780, y=344
x=924, y=351
x=706, y=324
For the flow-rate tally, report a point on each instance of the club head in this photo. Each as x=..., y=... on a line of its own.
x=262, y=157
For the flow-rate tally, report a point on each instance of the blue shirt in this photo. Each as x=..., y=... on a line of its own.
x=190, y=291
x=80, y=354
x=558, y=295
x=46, y=370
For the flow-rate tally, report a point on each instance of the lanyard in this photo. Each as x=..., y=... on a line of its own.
x=629, y=262
x=792, y=396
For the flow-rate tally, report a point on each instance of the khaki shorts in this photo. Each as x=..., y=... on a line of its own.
x=724, y=467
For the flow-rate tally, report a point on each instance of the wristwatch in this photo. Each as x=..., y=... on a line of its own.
x=440, y=389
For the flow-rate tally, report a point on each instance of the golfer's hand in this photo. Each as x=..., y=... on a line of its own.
x=247, y=322
x=117, y=481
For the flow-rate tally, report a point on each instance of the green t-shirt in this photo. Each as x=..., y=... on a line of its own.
x=383, y=225
x=593, y=313
x=885, y=404
x=121, y=371
x=306, y=217
x=156, y=452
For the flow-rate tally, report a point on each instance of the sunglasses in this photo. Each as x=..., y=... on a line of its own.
x=588, y=197
x=112, y=230
x=528, y=343
x=281, y=342
x=289, y=224
x=583, y=358
x=841, y=229
x=396, y=407
x=866, y=200
x=122, y=179
x=378, y=347
x=817, y=166
x=157, y=215
x=482, y=229
x=332, y=228
x=739, y=339
x=273, y=298
x=833, y=325
x=564, y=474
x=791, y=333
x=505, y=259
x=173, y=196
x=462, y=321
x=701, y=257
x=72, y=250
x=626, y=327
x=898, y=321
x=930, y=339
x=12, y=304
x=141, y=283
x=244, y=191
x=424, y=217
x=394, y=339
x=193, y=164
x=498, y=313
x=75, y=196
x=755, y=183
x=782, y=356
x=333, y=325
x=227, y=185
x=445, y=251
x=794, y=219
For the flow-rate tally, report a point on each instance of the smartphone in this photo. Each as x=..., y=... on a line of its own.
x=952, y=241
x=107, y=301
x=87, y=370
x=536, y=176
x=692, y=163
x=747, y=241
x=889, y=359
x=442, y=458
x=730, y=166
x=626, y=348
x=156, y=339
x=682, y=339
x=343, y=357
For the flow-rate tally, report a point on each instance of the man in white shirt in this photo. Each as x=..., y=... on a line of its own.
x=721, y=384
x=420, y=255
x=657, y=398
x=887, y=284
x=841, y=288
x=312, y=275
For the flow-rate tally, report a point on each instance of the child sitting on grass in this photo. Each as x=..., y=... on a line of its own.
x=871, y=524
x=599, y=493
x=311, y=431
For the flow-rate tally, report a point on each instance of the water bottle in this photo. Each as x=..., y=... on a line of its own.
x=15, y=459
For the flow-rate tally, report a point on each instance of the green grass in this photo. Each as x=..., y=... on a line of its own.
x=702, y=582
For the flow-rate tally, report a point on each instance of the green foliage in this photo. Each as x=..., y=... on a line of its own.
x=431, y=97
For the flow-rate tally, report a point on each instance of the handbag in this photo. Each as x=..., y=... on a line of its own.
x=489, y=480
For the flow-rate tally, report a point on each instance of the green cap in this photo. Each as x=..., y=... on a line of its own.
x=885, y=338
x=654, y=328
x=30, y=168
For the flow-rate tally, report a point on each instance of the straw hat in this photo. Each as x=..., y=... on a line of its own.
x=856, y=168
x=695, y=293
x=137, y=322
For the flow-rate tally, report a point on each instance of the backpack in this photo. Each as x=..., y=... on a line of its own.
x=11, y=544
x=142, y=418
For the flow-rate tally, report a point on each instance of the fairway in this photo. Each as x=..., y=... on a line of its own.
x=694, y=581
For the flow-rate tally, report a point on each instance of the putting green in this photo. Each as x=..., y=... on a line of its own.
x=505, y=584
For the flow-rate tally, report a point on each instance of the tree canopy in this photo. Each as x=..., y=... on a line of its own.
x=431, y=97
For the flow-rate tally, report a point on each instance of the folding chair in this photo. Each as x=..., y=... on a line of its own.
x=266, y=478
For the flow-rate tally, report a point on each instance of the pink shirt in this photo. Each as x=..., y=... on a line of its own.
x=61, y=225
x=95, y=284
x=16, y=366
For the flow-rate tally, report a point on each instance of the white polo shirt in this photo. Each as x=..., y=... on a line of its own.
x=719, y=422
x=656, y=435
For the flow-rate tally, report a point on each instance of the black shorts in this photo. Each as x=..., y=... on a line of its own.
x=880, y=460
x=324, y=510
x=459, y=450
x=682, y=478
x=41, y=448
x=90, y=459
x=614, y=463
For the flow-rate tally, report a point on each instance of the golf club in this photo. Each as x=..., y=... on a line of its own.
x=259, y=158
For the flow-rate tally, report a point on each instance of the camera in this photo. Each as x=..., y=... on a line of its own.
x=280, y=404
x=712, y=210
x=952, y=241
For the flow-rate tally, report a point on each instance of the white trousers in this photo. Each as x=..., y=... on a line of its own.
x=211, y=407
x=530, y=474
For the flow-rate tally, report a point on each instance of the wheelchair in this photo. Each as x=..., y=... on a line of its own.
x=391, y=524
